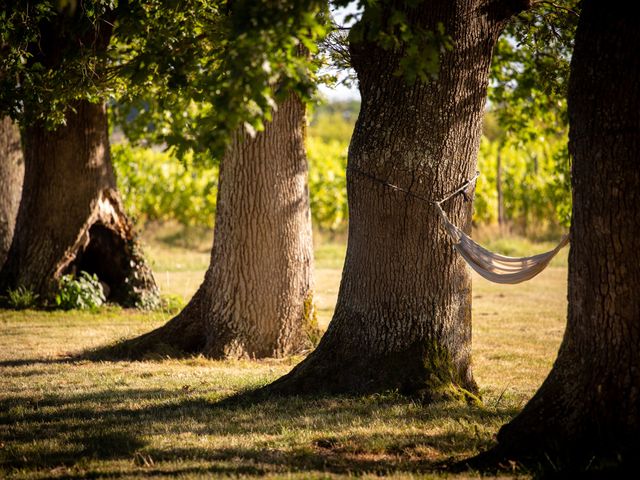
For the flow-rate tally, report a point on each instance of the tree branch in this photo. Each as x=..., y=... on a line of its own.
x=555, y=5
x=501, y=10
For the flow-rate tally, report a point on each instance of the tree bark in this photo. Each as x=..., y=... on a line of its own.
x=586, y=414
x=256, y=298
x=71, y=217
x=403, y=316
x=11, y=176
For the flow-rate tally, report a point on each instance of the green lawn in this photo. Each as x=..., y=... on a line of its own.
x=61, y=418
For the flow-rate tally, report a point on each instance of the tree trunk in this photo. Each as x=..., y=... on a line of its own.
x=403, y=316
x=11, y=175
x=256, y=298
x=71, y=218
x=587, y=412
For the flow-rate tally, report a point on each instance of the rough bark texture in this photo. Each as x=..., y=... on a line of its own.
x=256, y=298
x=11, y=175
x=587, y=412
x=403, y=316
x=71, y=217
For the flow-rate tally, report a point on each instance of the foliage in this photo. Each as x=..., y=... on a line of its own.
x=530, y=71
x=334, y=121
x=533, y=188
x=201, y=76
x=227, y=69
x=143, y=299
x=52, y=55
x=393, y=26
x=156, y=186
x=528, y=90
x=83, y=292
x=21, y=298
x=327, y=144
x=327, y=183
x=172, y=304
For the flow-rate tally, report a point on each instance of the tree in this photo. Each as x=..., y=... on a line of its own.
x=586, y=414
x=256, y=299
x=78, y=53
x=71, y=217
x=11, y=175
x=403, y=316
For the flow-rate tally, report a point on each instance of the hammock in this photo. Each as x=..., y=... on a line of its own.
x=492, y=266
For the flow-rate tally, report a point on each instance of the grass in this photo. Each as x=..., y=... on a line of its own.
x=61, y=418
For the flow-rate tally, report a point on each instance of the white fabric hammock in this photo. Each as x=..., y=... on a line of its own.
x=493, y=266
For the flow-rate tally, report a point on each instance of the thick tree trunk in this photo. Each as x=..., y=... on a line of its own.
x=587, y=412
x=403, y=316
x=71, y=218
x=256, y=299
x=11, y=175
x=262, y=272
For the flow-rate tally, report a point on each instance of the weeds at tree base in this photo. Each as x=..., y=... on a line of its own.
x=82, y=292
x=20, y=298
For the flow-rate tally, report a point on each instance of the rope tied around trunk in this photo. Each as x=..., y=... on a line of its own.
x=448, y=196
x=490, y=265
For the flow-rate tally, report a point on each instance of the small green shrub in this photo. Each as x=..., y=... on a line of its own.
x=21, y=298
x=83, y=292
x=172, y=304
x=146, y=300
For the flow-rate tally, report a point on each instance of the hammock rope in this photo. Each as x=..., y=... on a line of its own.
x=490, y=265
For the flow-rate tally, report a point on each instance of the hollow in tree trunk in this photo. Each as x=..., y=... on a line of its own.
x=403, y=316
x=586, y=414
x=256, y=298
x=11, y=175
x=71, y=218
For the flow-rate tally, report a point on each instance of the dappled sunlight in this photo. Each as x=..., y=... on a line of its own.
x=116, y=415
x=165, y=417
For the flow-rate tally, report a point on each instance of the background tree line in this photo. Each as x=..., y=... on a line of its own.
x=533, y=199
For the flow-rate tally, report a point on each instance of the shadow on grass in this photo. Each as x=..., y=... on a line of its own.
x=25, y=362
x=152, y=345
x=276, y=435
x=128, y=350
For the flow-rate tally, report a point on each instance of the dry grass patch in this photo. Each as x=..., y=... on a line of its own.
x=61, y=418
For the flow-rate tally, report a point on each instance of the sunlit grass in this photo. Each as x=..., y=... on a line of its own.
x=81, y=419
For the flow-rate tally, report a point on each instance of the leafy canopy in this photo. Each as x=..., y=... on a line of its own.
x=196, y=69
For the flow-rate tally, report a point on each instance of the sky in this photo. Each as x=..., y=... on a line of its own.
x=341, y=92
